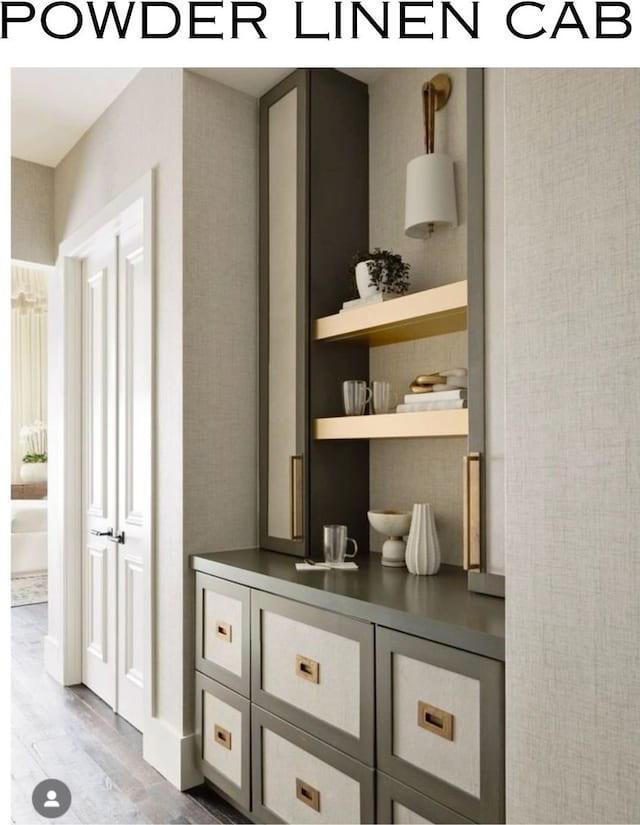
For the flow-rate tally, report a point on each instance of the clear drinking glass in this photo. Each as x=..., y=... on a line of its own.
x=356, y=396
x=382, y=397
x=335, y=543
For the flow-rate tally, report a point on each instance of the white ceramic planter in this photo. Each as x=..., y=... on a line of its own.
x=363, y=280
x=33, y=473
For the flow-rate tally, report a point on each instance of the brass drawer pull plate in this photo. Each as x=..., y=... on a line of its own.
x=222, y=736
x=223, y=631
x=307, y=669
x=308, y=794
x=435, y=720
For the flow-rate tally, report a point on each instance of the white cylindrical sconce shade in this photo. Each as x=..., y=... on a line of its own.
x=430, y=194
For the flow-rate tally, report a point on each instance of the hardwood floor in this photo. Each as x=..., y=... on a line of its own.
x=70, y=734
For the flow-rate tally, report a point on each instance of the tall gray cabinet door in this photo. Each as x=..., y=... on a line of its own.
x=313, y=220
x=283, y=328
x=440, y=723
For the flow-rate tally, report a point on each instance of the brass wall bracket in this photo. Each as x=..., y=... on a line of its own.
x=435, y=94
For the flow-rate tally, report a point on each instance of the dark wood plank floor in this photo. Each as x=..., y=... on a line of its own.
x=70, y=734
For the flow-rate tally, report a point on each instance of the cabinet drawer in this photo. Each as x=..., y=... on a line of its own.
x=222, y=631
x=297, y=778
x=315, y=668
x=223, y=737
x=441, y=723
x=401, y=805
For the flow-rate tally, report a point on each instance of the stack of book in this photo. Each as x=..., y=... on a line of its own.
x=445, y=390
x=444, y=400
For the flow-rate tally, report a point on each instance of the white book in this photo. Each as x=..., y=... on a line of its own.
x=456, y=381
x=377, y=298
x=430, y=397
x=460, y=404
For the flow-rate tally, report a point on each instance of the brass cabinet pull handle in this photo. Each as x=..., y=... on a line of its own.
x=308, y=794
x=223, y=631
x=435, y=720
x=297, y=497
x=307, y=669
x=471, y=528
x=222, y=736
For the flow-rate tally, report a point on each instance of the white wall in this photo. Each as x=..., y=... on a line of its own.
x=32, y=212
x=572, y=210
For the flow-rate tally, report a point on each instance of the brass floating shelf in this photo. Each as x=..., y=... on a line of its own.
x=431, y=424
x=437, y=311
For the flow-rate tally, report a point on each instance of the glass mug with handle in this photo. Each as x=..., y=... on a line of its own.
x=335, y=544
x=356, y=396
x=383, y=399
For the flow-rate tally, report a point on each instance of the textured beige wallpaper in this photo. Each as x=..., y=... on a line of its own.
x=32, y=212
x=220, y=178
x=405, y=471
x=573, y=463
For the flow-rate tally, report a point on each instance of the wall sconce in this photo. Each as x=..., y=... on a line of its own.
x=430, y=191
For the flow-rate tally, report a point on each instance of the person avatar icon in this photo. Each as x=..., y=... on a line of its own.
x=52, y=800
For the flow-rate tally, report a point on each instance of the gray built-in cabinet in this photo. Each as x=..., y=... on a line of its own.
x=313, y=218
x=314, y=703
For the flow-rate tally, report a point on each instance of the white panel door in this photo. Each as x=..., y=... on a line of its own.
x=99, y=470
x=134, y=462
x=117, y=464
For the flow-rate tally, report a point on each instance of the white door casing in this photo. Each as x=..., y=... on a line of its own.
x=117, y=464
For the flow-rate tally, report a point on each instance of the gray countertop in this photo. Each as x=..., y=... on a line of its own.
x=438, y=607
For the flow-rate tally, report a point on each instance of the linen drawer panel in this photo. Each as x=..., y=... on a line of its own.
x=399, y=804
x=441, y=723
x=315, y=669
x=223, y=737
x=297, y=778
x=222, y=631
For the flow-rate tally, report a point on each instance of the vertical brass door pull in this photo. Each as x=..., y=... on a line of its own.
x=297, y=497
x=471, y=512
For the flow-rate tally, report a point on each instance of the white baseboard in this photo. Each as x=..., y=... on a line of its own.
x=171, y=754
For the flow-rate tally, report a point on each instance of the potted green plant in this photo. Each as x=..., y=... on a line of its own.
x=380, y=271
x=33, y=439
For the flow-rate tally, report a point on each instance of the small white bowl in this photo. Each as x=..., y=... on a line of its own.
x=391, y=523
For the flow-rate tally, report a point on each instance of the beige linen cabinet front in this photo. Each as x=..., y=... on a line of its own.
x=223, y=632
x=440, y=723
x=315, y=669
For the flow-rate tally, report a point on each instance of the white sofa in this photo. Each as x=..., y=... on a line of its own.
x=28, y=535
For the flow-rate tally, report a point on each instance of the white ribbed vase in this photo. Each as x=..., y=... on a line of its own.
x=423, y=548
